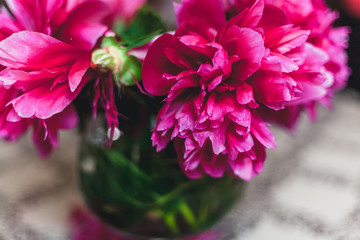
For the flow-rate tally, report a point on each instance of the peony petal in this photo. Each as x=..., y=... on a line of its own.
x=38, y=51
x=287, y=65
x=238, y=144
x=242, y=167
x=218, y=139
x=262, y=133
x=43, y=102
x=244, y=43
x=248, y=46
x=8, y=25
x=34, y=15
x=218, y=105
x=253, y=15
x=84, y=25
x=155, y=65
x=25, y=80
x=77, y=72
x=285, y=38
x=43, y=146
x=273, y=17
x=12, y=130
x=67, y=119
x=270, y=87
x=241, y=116
x=213, y=165
x=211, y=11
x=310, y=92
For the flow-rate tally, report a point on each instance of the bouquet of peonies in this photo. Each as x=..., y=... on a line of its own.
x=230, y=67
x=207, y=91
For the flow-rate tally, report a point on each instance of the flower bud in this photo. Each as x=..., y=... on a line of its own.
x=126, y=68
x=106, y=59
x=130, y=71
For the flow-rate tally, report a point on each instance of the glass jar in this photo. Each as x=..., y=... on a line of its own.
x=143, y=193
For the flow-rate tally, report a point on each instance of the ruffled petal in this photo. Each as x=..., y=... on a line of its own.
x=37, y=51
x=43, y=102
x=204, y=10
x=84, y=25
x=155, y=65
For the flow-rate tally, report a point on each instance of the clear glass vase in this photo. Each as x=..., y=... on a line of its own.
x=143, y=193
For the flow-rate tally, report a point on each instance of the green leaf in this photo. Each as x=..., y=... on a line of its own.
x=142, y=40
x=118, y=180
x=143, y=28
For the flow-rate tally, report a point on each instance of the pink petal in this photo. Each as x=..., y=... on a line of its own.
x=12, y=130
x=315, y=58
x=123, y=9
x=43, y=145
x=273, y=17
x=247, y=18
x=84, y=25
x=270, y=87
x=67, y=119
x=8, y=25
x=34, y=16
x=28, y=80
x=244, y=95
x=218, y=105
x=196, y=28
x=217, y=138
x=37, y=51
x=186, y=117
x=43, y=102
x=77, y=72
x=237, y=143
x=287, y=65
x=248, y=46
x=211, y=11
x=310, y=92
x=253, y=15
x=262, y=133
x=285, y=38
x=241, y=115
x=155, y=65
x=213, y=165
x=242, y=167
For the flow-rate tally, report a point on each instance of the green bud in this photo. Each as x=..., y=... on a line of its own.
x=105, y=59
x=126, y=69
x=130, y=69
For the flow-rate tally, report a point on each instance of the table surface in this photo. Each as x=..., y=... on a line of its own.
x=309, y=190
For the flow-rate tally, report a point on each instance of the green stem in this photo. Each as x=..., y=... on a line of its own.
x=188, y=214
x=170, y=220
x=163, y=199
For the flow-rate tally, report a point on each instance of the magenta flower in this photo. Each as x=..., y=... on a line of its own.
x=216, y=72
x=45, y=53
x=329, y=43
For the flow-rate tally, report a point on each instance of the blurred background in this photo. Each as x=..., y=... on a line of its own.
x=309, y=190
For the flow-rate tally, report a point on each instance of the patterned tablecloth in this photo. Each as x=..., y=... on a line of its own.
x=309, y=190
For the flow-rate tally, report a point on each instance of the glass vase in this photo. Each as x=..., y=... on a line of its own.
x=143, y=193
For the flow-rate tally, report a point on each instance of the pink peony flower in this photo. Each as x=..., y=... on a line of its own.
x=45, y=53
x=329, y=43
x=216, y=72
